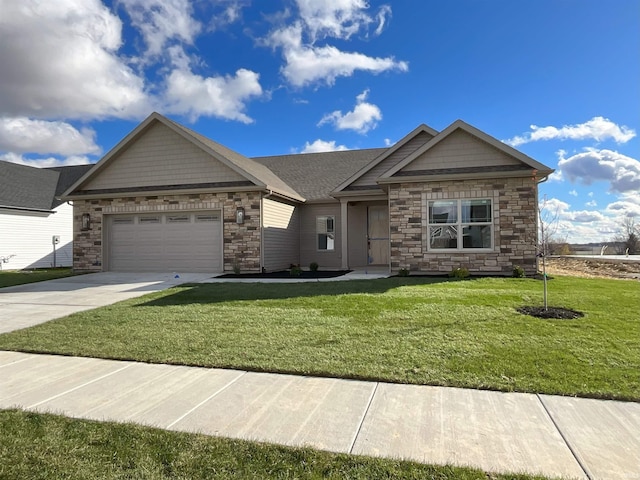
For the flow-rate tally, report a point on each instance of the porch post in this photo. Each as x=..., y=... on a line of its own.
x=344, y=229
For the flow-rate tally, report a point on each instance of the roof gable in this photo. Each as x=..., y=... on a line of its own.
x=163, y=155
x=463, y=149
x=367, y=176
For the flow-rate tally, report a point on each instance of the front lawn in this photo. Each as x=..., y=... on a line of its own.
x=18, y=277
x=410, y=330
x=40, y=447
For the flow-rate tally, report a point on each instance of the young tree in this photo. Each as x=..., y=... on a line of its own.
x=629, y=237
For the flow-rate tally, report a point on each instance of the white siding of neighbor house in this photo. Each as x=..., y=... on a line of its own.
x=459, y=150
x=281, y=235
x=370, y=177
x=28, y=237
x=161, y=157
x=331, y=260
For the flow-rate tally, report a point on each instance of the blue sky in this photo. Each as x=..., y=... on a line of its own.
x=558, y=79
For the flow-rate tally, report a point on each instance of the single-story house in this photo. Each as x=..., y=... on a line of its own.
x=169, y=199
x=36, y=228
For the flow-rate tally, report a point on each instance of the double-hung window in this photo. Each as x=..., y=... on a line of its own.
x=325, y=229
x=460, y=224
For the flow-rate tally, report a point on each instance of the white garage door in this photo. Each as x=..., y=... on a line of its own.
x=165, y=242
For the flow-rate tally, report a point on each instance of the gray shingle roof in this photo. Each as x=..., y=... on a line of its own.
x=316, y=175
x=31, y=188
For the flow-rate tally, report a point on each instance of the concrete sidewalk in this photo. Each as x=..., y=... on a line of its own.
x=497, y=432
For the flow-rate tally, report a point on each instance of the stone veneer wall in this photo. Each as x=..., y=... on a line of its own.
x=514, y=203
x=241, y=242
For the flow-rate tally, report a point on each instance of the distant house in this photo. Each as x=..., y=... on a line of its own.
x=30, y=216
x=169, y=199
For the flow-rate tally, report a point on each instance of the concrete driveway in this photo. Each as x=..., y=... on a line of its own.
x=23, y=306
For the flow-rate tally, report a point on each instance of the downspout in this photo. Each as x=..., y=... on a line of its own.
x=262, y=199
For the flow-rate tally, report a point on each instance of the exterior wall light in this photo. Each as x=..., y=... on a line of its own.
x=86, y=221
x=240, y=215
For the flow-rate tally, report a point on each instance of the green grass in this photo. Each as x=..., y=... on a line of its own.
x=408, y=330
x=19, y=277
x=41, y=446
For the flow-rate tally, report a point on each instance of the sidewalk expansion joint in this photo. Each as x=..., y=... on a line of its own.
x=364, y=416
x=77, y=387
x=193, y=409
x=564, y=439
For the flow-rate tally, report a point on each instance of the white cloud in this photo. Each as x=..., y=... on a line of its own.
x=161, y=21
x=584, y=216
x=322, y=146
x=307, y=63
x=622, y=172
x=45, y=162
x=361, y=119
x=591, y=203
x=64, y=63
x=598, y=128
x=23, y=135
x=387, y=142
x=573, y=193
x=339, y=18
x=224, y=97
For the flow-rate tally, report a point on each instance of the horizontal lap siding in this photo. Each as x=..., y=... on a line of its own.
x=27, y=236
x=308, y=236
x=162, y=157
x=281, y=234
x=460, y=150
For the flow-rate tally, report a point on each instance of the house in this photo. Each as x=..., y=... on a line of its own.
x=31, y=216
x=169, y=199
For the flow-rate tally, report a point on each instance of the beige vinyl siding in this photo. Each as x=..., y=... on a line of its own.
x=26, y=237
x=281, y=235
x=460, y=150
x=309, y=239
x=162, y=157
x=403, y=152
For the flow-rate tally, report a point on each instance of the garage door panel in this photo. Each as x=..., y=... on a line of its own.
x=166, y=242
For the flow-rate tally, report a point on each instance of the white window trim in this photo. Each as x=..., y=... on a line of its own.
x=318, y=233
x=460, y=226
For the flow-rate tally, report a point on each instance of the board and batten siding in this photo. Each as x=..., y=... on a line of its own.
x=331, y=260
x=161, y=157
x=370, y=177
x=459, y=150
x=281, y=235
x=26, y=237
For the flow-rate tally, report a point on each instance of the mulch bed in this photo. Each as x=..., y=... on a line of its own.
x=287, y=274
x=551, y=312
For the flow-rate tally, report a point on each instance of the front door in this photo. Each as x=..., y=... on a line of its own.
x=378, y=235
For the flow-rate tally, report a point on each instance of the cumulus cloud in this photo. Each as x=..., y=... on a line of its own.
x=224, y=97
x=64, y=62
x=23, y=135
x=46, y=161
x=584, y=216
x=322, y=146
x=160, y=21
x=622, y=172
x=307, y=62
x=361, y=119
x=598, y=129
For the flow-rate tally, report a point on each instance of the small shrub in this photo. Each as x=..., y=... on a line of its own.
x=403, y=272
x=236, y=268
x=295, y=271
x=459, y=273
x=518, y=272
x=313, y=266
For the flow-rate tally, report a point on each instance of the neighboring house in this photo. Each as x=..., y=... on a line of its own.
x=30, y=216
x=168, y=199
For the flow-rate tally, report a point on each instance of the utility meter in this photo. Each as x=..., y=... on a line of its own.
x=56, y=239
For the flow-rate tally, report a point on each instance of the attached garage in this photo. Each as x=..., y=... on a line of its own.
x=164, y=242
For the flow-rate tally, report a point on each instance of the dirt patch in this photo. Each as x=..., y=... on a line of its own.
x=592, y=268
x=551, y=312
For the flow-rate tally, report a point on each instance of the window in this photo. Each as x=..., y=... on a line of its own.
x=149, y=219
x=460, y=224
x=325, y=229
x=178, y=219
x=123, y=220
x=207, y=218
